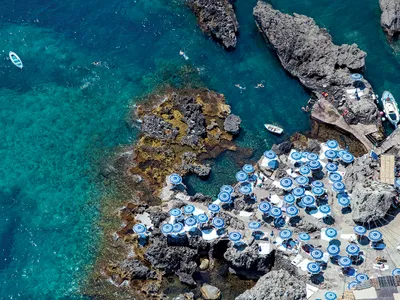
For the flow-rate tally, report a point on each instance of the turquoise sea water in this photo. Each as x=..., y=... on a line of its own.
x=61, y=114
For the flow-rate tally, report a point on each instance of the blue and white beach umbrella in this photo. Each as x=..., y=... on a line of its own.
x=175, y=179
x=335, y=177
x=317, y=254
x=347, y=157
x=296, y=156
x=303, y=236
x=175, y=212
x=139, y=228
x=344, y=261
x=338, y=186
x=226, y=188
x=273, y=164
x=202, y=218
x=218, y=222
x=331, y=232
x=289, y=199
x=191, y=221
x=292, y=211
x=254, y=225
x=333, y=250
x=396, y=272
x=330, y=154
x=308, y=201
x=304, y=170
x=248, y=168
x=313, y=268
x=360, y=230
x=341, y=152
x=235, y=236
x=362, y=277
x=245, y=189
x=189, y=209
x=331, y=167
x=177, y=227
x=302, y=180
x=317, y=191
x=397, y=182
x=285, y=234
x=298, y=192
x=317, y=183
x=264, y=207
x=241, y=176
x=286, y=183
x=325, y=209
x=375, y=236
x=312, y=156
x=344, y=201
x=167, y=228
x=214, y=208
x=330, y=296
x=270, y=154
x=352, y=285
x=352, y=249
x=314, y=164
x=356, y=76
x=275, y=212
x=224, y=197
x=332, y=144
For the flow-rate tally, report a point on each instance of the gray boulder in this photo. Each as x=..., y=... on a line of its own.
x=371, y=201
x=135, y=269
x=362, y=169
x=277, y=285
x=390, y=18
x=159, y=129
x=282, y=148
x=307, y=52
x=217, y=18
x=232, y=124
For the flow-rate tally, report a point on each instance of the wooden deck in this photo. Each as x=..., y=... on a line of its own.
x=387, y=169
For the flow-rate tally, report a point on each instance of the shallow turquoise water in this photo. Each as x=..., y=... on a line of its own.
x=61, y=114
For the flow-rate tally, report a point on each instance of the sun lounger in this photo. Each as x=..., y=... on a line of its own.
x=265, y=248
x=303, y=265
x=381, y=267
x=311, y=290
x=297, y=259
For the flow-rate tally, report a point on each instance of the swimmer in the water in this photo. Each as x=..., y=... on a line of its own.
x=96, y=63
x=259, y=85
x=240, y=87
x=183, y=54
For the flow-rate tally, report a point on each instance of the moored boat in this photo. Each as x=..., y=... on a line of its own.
x=15, y=60
x=273, y=128
x=390, y=108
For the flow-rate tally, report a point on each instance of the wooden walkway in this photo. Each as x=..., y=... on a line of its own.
x=387, y=169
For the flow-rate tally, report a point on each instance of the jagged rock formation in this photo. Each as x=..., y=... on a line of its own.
x=232, y=124
x=307, y=52
x=390, y=18
x=277, y=285
x=217, y=18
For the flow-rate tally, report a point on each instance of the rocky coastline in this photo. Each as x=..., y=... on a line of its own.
x=390, y=18
x=217, y=18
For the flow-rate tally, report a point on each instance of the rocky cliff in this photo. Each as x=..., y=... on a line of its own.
x=390, y=18
x=307, y=52
x=217, y=18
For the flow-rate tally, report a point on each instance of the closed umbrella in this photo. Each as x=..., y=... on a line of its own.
x=175, y=212
x=332, y=144
x=344, y=261
x=292, y=211
x=226, y=188
x=362, y=277
x=285, y=234
x=167, y=228
x=275, y=212
x=289, y=199
x=254, y=225
x=296, y=156
x=224, y=197
x=313, y=268
x=317, y=254
x=304, y=170
x=330, y=154
x=218, y=222
x=214, y=208
x=360, y=230
x=139, y=228
x=314, y=164
x=286, y=183
x=175, y=179
x=331, y=233
x=312, y=156
x=248, y=168
x=352, y=249
x=375, y=235
x=333, y=250
x=317, y=191
x=335, y=177
x=317, y=183
x=264, y=207
x=338, y=186
x=235, y=236
x=308, y=201
x=298, y=192
x=302, y=180
x=273, y=164
x=189, y=209
x=241, y=176
x=270, y=154
x=191, y=221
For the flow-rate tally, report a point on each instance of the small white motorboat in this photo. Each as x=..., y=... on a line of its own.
x=15, y=60
x=273, y=128
x=390, y=108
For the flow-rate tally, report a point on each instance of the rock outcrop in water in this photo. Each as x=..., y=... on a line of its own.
x=390, y=18
x=217, y=18
x=307, y=52
x=277, y=285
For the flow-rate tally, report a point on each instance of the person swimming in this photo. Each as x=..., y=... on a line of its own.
x=259, y=85
x=240, y=87
x=183, y=54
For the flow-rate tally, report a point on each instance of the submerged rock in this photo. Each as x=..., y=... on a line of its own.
x=232, y=124
x=307, y=52
x=390, y=18
x=277, y=285
x=217, y=18
x=210, y=292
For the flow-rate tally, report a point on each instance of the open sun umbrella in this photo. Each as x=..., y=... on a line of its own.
x=312, y=156
x=214, y=208
x=248, y=168
x=286, y=183
x=270, y=154
x=241, y=176
x=375, y=235
x=226, y=188
x=360, y=230
x=352, y=249
x=175, y=178
x=303, y=236
x=254, y=225
x=335, y=177
x=245, y=189
x=313, y=268
x=317, y=191
x=167, y=228
x=296, y=156
x=344, y=261
x=347, y=157
x=344, y=201
x=224, y=197
x=139, y=228
x=191, y=221
x=289, y=199
x=264, y=207
x=333, y=250
x=330, y=296
x=175, y=212
x=298, y=192
x=338, y=186
x=314, y=164
x=202, y=218
x=362, y=277
x=177, y=227
x=332, y=144
x=331, y=167
x=304, y=170
x=301, y=180
x=308, y=201
x=330, y=154
x=317, y=183
x=235, y=236
x=356, y=76
x=285, y=234
x=352, y=285
x=396, y=272
x=273, y=164
x=317, y=254
x=292, y=211
x=189, y=209
x=331, y=232
x=218, y=222
x=325, y=209
x=275, y=212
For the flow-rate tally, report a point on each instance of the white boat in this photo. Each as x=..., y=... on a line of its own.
x=15, y=60
x=273, y=128
x=390, y=108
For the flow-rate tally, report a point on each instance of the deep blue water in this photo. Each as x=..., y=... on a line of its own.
x=61, y=114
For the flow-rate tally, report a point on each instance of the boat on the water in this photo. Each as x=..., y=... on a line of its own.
x=390, y=108
x=273, y=128
x=15, y=60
